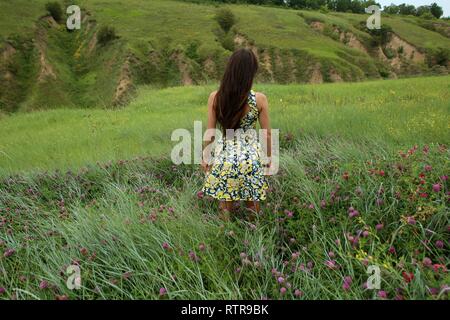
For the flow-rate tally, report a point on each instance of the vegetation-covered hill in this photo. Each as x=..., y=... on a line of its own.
x=168, y=43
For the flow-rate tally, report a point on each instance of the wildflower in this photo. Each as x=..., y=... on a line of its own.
x=9, y=252
x=428, y=168
x=437, y=267
x=61, y=298
x=162, y=291
x=365, y=233
x=311, y=206
x=346, y=286
x=83, y=251
x=345, y=176
x=382, y=294
x=411, y=220
x=243, y=255
x=436, y=187
x=323, y=204
x=283, y=290
x=126, y=275
x=379, y=226
x=408, y=277
x=358, y=191
x=439, y=244
x=152, y=217
x=352, y=212
x=201, y=247
x=392, y=250
x=43, y=285
x=331, y=264
x=200, y=195
x=166, y=246
x=280, y=280
x=2, y=290
x=310, y=265
x=298, y=293
x=193, y=256
x=434, y=291
x=288, y=213
x=443, y=178
x=427, y=262
x=379, y=202
x=331, y=254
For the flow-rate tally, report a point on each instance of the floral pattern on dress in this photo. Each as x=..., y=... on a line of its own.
x=237, y=172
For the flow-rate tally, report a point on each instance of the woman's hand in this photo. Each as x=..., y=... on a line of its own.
x=205, y=166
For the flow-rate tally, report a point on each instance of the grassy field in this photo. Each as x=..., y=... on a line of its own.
x=391, y=113
x=363, y=181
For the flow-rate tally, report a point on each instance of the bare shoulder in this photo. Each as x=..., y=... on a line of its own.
x=213, y=94
x=261, y=100
x=211, y=98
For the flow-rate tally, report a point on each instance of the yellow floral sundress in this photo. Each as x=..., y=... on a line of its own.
x=237, y=172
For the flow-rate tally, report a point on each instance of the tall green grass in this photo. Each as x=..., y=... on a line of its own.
x=392, y=113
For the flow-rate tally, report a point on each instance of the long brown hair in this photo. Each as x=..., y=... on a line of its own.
x=235, y=87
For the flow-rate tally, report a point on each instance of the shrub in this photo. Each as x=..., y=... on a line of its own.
x=55, y=10
x=228, y=43
x=441, y=56
x=192, y=50
x=226, y=19
x=389, y=53
x=427, y=16
x=106, y=34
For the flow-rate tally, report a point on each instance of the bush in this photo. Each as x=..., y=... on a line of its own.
x=427, y=16
x=228, y=43
x=441, y=56
x=226, y=19
x=389, y=53
x=106, y=34
x=55, y=10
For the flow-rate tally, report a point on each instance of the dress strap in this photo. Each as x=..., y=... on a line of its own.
x=252, y=100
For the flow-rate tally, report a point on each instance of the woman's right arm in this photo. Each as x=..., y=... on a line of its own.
x=264, y=121
x=209, y=136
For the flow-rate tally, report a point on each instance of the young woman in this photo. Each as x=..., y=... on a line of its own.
x=236, y=172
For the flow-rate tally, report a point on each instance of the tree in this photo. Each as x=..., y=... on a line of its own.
x=436, y=10
x=391, y=9
x=407, y=9
x=420, y=11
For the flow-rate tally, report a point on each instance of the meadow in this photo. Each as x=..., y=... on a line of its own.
x=363, y=182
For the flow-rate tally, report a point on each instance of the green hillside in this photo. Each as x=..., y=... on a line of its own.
x=170, y=43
